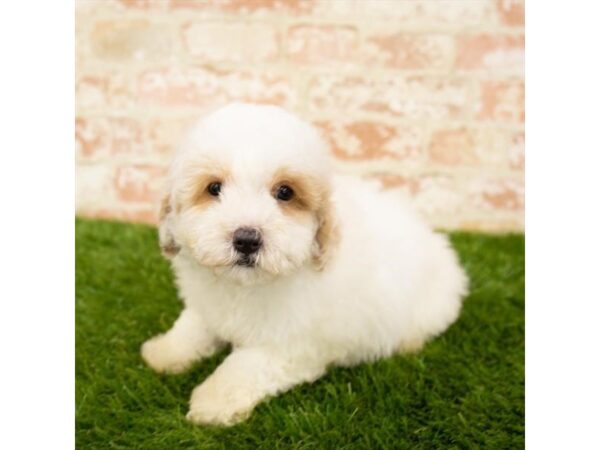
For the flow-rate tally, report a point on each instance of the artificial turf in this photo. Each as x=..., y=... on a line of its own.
x=464, y=390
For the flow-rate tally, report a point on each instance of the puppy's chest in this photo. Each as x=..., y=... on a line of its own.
x=242, y=319
x=246, y=316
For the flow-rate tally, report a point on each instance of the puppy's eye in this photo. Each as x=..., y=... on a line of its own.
x=214, y=188
x=284, y=193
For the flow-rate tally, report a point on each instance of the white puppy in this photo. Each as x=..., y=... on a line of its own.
x=295, y=268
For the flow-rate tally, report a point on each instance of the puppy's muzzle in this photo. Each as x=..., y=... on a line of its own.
x=247, y=241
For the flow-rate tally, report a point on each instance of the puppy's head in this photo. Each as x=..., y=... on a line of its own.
x=249, y=195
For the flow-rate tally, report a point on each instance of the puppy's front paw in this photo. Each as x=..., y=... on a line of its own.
x=166, y=356
x=209, y=406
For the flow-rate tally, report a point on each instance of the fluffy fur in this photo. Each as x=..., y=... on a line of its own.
x=346, y=273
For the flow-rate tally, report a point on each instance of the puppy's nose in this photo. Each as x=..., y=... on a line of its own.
x=247, y=240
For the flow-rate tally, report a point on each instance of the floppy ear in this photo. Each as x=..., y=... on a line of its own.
x=168, y=246
x=328, y=234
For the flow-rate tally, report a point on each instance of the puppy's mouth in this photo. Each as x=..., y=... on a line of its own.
x=246, y=261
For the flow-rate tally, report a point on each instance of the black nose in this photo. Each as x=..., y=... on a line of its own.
x=247, y=240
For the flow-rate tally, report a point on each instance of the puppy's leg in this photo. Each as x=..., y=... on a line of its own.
x=175, y=350
x=245, y=378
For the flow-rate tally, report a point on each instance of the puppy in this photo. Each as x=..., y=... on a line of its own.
x=295, y=268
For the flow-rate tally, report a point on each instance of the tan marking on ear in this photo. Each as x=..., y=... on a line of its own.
x=328, y=235
x=165, y=208
x=170, y=249
x=168, y=246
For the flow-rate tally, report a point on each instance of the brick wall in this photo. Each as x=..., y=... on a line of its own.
x=426, y=95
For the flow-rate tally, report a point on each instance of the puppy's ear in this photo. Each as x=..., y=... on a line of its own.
x=168, y=246
x=328, y=234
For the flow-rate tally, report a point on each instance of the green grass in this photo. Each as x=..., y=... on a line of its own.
x=464, y=390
